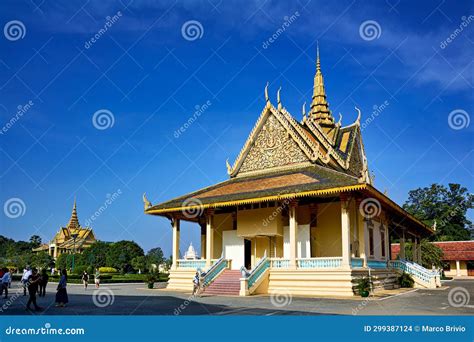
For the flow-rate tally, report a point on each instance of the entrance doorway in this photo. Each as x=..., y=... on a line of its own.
x=247, y=254
x=470, y=268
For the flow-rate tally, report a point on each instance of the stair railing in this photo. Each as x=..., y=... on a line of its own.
x=212, y=273
x=416, y=270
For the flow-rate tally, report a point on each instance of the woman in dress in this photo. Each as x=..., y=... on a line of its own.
x=61, y=295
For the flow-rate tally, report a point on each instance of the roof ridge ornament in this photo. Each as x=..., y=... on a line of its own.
x=146, y=202
x=339, y=123
x=229, y=168
x=303, y=110
x=267, y=99
x=358, y=115
x=279, y=99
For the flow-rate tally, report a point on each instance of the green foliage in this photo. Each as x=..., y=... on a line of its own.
x=363, y=284
x=35, y=241
x=42, y=260
x=155, y=256
x=140, y=263
x=406, y=280
x=446, y=206
x=96, y=254
x=121, y=253
x=107, y=270
x=430, y=254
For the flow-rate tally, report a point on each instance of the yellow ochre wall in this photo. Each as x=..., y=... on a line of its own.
x=453, y=272
x=263, y=221
x=326, y=237
x=221, y=222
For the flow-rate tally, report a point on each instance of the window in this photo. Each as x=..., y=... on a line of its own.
x=382, y=241
x=447, y=266
x=371, y=241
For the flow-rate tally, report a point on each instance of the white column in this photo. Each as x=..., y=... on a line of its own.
x=209, y=237
x=345, y=233
x=293, y=233
x=175, y=249
x=402, y=245
x=458, y=268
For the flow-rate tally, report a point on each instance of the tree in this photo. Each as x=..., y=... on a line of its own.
x=430, y=254
x=96, y=254
x=121, y=253
x=447, y=206
x=140, y=263
x=35, y=241
x=155, y=256
x=42, y=260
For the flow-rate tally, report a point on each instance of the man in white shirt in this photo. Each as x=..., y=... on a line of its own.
x=6, y=279
x=24, y=279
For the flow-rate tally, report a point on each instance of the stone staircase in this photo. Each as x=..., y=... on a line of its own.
x=226, y=284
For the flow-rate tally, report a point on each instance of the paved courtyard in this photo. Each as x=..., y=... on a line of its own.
x=134, y=299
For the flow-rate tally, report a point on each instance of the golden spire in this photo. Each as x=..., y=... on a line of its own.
x=320, y=112
x=73, y=221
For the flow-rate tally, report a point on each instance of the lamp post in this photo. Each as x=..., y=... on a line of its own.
x=74, y=237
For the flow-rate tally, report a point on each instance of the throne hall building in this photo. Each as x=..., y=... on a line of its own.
x=298, y=214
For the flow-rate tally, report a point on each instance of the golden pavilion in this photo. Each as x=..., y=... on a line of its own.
x=69, y=239
x=299, y=213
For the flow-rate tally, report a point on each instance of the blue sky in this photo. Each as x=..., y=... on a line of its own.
x=151, y=77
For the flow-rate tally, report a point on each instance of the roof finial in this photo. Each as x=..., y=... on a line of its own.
x=267, y=99
x=73, y=221
x=358, y=115
x=278, y=98
x=229, y=168
x=318, y=62
x=146, y=202
x=320, y=112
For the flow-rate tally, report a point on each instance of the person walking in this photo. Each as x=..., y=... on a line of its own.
x=97, y=278
x=5, y=282
x=24, y=278
x=44, y=278
x=32, y=284
x=196, y=284
x=61, y=294
x=85, y=279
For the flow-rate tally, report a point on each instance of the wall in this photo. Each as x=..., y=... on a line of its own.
x=221, y=223
x=453, y=273
x=326, y=237
x=263, y=221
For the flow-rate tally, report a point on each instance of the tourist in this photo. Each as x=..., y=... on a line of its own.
x=44, y=278
x=85, y=279
x=97, y=278
x=196, y=283
x=5, y=282
x=61, y=294
x=32, y=283
x=24, y=278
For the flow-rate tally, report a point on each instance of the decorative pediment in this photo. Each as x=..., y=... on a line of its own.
x=273, y=143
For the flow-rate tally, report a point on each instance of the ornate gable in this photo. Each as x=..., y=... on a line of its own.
x=273, y=147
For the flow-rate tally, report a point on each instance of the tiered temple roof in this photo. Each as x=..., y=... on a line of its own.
x=284, y=158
